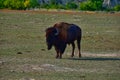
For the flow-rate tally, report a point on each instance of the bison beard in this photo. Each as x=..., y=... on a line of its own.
x=62, y=34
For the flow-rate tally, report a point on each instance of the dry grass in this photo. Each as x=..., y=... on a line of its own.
x=23, y=53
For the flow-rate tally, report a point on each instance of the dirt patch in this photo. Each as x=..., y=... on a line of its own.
x=39, y=68
x=88, y=54
x=100, y=55
x=50, y=67
x=27, y=79
x=56, y=68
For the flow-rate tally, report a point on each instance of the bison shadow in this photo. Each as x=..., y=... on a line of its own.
x=95, y=59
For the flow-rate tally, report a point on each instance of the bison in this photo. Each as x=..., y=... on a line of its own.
x=61, y=34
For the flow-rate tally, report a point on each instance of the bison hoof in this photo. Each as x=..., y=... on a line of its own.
x=57, y=57
x=80, y=56
x=72, y=55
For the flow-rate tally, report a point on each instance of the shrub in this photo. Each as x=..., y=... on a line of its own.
x=85, y=6
x=117, y=8
x=1, y=4
x=91, y=5
x=44, y=6
x=52, y=6
x=71, y=5
x=14, y=4
x=7, y=4
x=19, y=4
x=27, y=3
x=34, y=3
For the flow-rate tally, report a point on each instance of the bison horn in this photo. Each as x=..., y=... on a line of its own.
x=57, y=32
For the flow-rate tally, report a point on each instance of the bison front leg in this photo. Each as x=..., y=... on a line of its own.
x=57, y=52
x=60, y=55
x=57, y=55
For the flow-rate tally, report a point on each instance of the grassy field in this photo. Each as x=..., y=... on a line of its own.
x=24, y=32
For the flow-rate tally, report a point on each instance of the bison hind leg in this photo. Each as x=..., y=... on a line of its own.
x=79, y=46
x=73, y=48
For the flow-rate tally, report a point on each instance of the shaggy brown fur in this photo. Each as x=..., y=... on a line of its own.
x=62, y=27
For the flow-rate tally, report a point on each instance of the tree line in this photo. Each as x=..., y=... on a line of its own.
x=89, y=5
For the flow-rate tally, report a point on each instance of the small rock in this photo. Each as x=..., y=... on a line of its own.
x=27, y=79
x=42, y=49
x=2, y=62
x=12, y=71
x=19, y=53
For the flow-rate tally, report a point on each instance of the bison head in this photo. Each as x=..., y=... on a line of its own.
x=51, y=36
